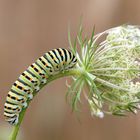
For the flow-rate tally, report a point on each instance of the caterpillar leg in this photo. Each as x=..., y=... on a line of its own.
x=11, y=118
x=13, y=121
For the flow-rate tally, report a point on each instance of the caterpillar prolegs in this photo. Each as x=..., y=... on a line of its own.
x=33, y=77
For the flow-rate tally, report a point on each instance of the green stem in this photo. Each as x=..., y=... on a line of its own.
x=22, y=113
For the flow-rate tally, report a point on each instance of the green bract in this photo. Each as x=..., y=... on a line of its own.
x=110, y=69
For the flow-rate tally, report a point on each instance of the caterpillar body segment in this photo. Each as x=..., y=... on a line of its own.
x=27, y=78
x=22, y=89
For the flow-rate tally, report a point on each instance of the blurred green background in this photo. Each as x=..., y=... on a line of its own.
x=28, y=29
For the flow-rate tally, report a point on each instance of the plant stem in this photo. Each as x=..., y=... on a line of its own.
x=51, y=78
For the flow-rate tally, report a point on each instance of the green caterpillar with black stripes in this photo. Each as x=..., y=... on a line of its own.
x=51, y=63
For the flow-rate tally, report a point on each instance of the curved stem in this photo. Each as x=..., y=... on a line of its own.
x=71, y=72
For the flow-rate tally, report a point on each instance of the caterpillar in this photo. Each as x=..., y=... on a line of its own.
x=51, y=63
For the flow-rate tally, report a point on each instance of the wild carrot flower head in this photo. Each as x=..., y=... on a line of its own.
x=110, y=70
